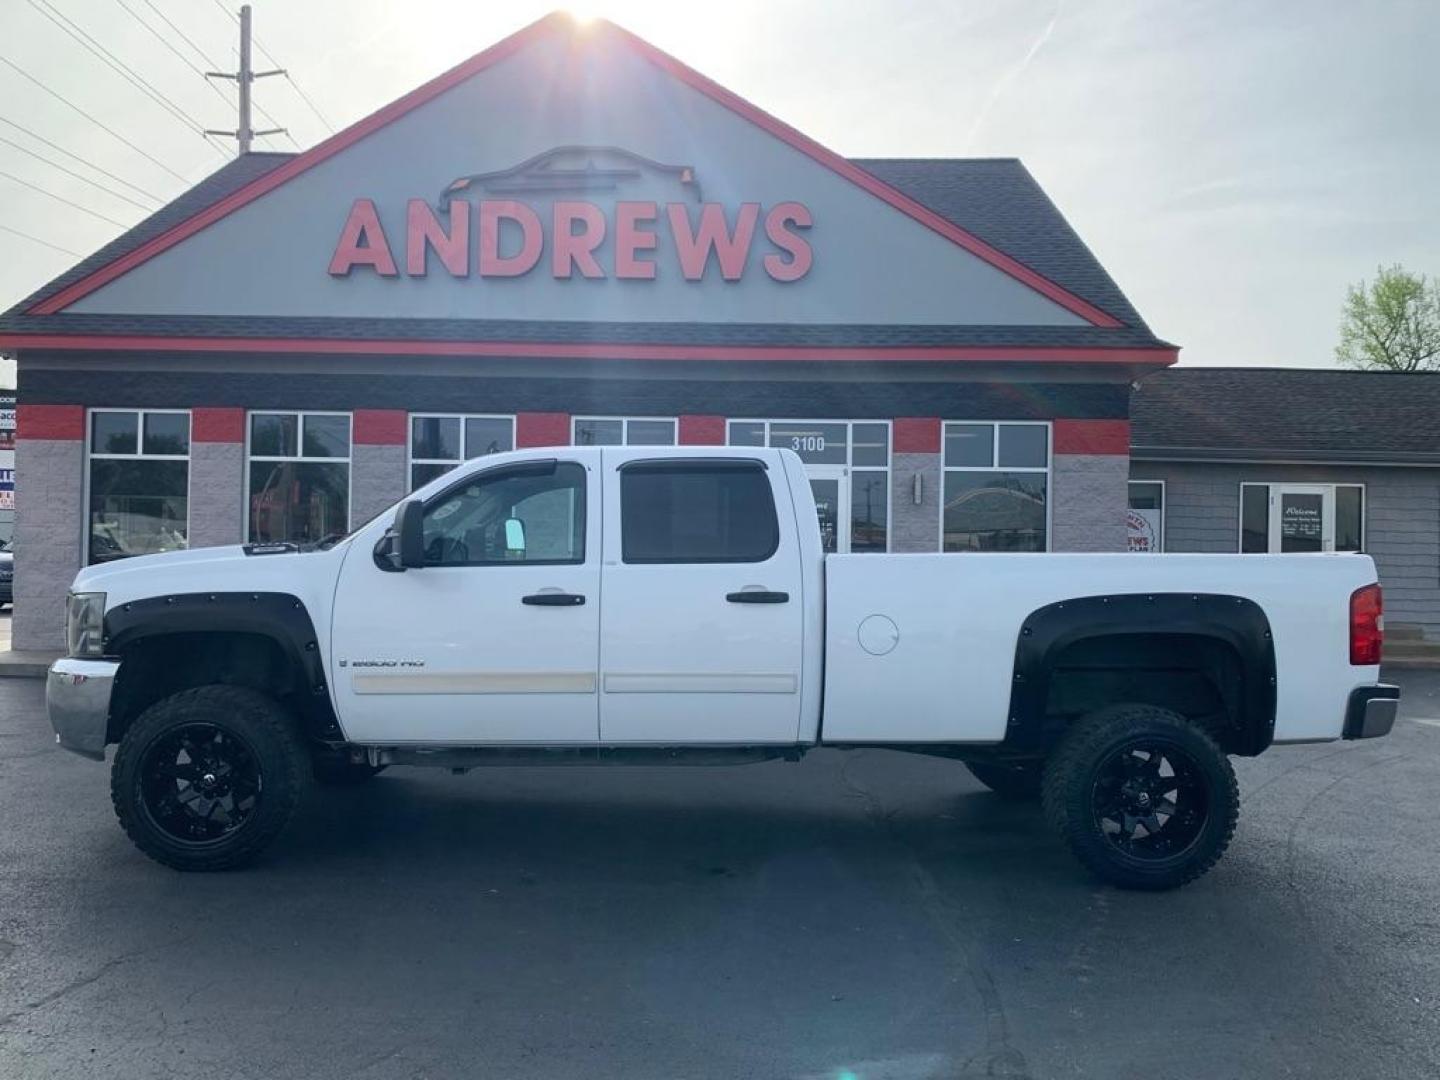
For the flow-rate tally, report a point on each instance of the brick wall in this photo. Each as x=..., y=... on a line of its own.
x=217, y=477
x=377, y=462
x=1088, y=494
x=1088, y=501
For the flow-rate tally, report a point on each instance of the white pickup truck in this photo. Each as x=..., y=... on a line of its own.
x=674, y=605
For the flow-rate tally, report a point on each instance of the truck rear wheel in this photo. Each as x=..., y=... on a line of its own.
x=1017, y=781
x=1144, y=798
x=206, y=778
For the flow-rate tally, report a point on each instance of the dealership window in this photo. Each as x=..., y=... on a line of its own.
x=440, y=441
x=997, y=486
x=622, y=431
x=697, y=512
x=138, y=477
x=1145, y=519
x=848, y=464
x=1291, y=518
x=298, y=476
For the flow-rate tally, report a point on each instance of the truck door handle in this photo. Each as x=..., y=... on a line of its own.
x=554, y=599
x=757, y=596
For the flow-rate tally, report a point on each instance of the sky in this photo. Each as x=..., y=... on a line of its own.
x=1233, y=164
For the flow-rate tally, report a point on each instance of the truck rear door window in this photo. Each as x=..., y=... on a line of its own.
x=707, y=512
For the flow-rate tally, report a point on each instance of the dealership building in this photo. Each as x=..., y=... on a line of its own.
x=572, y=238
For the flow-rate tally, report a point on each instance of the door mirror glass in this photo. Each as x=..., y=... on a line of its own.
x=515, y=537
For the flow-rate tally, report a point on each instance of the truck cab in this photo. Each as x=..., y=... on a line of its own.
x=579, y=597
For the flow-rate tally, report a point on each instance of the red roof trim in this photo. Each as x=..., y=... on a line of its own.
x=509, y=46
x=587, y=350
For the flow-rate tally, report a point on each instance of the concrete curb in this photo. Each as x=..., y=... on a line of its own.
x=25, y=665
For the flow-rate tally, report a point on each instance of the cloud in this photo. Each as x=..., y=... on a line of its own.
x=1003, y=83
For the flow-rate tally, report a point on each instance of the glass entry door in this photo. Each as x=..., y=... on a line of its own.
x=1302, y=518
x=832, y=499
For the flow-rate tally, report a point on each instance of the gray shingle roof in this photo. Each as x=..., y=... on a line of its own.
x=1300, y=414
x=998, y=201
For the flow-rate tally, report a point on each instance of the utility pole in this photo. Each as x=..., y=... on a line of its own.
x=245, y=134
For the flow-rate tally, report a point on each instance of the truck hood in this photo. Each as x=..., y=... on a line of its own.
x=201, y=569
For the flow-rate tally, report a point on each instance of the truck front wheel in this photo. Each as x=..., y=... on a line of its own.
x=206, y=778
x=1144, y=798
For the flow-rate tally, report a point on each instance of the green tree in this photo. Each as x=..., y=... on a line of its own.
x=1392, y=323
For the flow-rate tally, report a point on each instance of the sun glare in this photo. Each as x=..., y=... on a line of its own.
x=583, y=13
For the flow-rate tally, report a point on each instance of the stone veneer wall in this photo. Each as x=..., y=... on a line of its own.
x=49, y=492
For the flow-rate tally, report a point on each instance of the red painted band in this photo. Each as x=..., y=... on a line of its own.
x=542, y=429
x=559, y=23
x=1092, y=437
x=50, y=421
x=916, y=435
x=217, y=425
x=702, y=431
x=379, y=427
x=593, y=350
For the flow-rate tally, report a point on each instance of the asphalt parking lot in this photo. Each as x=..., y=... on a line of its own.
x=869, y=915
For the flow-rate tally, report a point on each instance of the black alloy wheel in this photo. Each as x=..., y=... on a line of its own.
x=199, y=783
x=206, y=778
x=1150, y=799
x=1143, y=797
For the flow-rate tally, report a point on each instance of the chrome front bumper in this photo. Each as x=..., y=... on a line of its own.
x=77, y=697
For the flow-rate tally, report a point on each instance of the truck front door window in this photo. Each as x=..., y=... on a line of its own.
x=474, y=524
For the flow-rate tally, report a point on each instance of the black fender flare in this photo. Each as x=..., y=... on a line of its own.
x=1234, y=620
x=280, y=617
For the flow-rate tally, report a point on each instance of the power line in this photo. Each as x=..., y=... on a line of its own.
x=76, y=157
x=119, y=66
x=37, y=240
x=71, y=172
x=98, y=123
x=169, y=45
x=181, y=34
x=305, y=97
x=288, y=77
x=61, y=198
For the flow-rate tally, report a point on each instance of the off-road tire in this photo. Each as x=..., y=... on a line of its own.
x=269, y=733
x=1069, y=789
x=1014, y=782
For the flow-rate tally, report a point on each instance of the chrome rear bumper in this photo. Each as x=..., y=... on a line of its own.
x=1371, y=711
x=77, y=698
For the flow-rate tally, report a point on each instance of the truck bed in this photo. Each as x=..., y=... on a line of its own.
x=957, y=622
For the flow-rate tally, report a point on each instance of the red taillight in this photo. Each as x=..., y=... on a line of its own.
x=1367, y=625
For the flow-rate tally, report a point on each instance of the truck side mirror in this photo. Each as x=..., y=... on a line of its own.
x=514, y=536
x=409, y=535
